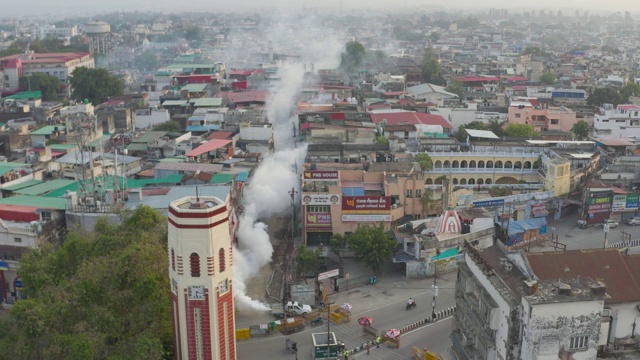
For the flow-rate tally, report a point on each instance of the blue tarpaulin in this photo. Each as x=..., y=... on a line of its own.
x=518, y=228
x=353, y=191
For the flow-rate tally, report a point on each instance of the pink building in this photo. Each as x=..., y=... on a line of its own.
x=542, y=118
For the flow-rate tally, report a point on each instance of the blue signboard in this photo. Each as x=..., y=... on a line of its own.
x=488, y=203
x=17, y=283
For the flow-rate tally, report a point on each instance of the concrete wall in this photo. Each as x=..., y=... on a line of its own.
x=624, y=315
x=548, y=328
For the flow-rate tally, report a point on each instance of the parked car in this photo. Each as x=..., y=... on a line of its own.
x=611, y=223
x=633, y=221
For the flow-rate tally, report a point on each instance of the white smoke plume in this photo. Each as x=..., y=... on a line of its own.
x=267, y=192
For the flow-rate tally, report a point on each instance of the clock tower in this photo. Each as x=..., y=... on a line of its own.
x=200, y=259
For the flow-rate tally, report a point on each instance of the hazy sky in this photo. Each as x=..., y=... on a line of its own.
x=43, y=7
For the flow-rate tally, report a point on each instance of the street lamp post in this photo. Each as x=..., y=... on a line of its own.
x=434, y=291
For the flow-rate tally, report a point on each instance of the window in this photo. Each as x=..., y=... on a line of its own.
x=554, y=121
x=45, y=215
x=418, y=193
x=518, y=115
x=173, y=260
x=17, y=239
x=318, y=208
x=221, y=263
x=6, y=77
x=409, y=193
x=579, y=342
x=194, y=264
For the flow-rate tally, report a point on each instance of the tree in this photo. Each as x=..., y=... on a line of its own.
x=628, y=90
x=307, y=261
x=601, y=96
x=372, y=245
x=548, y=78
x=49, y=85
x=193, y=33
x=170, y=126
x=455, y=87
x=101, y=295
x=97, y=85
x=338, y=243
x=521, y=130
x=496, y=126
x=352, y=56
x=581, y=129
x=431, y=71
x=425, y=161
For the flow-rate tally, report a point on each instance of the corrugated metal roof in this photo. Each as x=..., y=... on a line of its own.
x=221, y=178
x=45, y=187
x=40, y=202
x=22, y=185
x=47, y=130
x=210, y=145
x=606, y=264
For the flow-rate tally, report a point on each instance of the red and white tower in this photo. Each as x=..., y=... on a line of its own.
x=200, y=256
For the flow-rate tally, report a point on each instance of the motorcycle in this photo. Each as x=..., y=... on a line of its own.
x=411, y=306
x=317, y=321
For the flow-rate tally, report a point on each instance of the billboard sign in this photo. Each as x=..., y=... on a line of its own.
x=619, y=203
x=599, y=208
x=488, y=203
x=360, y=204
x=366, y=218
x=600, y=200
x=320, y=175
x=632, y=201
x=321, y=199
x=328, y=274
x=318, y=220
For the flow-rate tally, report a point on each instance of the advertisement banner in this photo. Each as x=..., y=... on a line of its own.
x=318, y=220
x=619, y=203
x=599, y=208
x=599, y=200
x=632, y=201
x=321, y=199
x=366, y=218
x=366, y=203
x=488, y=203
x=319, y=175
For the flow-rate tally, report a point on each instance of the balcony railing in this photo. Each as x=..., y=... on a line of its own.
x=476, y=153
x=482, y=170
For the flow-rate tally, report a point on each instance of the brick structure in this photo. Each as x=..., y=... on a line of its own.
x=200, y=267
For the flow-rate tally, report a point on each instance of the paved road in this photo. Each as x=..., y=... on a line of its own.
x=385, y=303
x=590, y=238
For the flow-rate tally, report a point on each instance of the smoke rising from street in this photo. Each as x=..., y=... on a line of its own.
x=267, y=193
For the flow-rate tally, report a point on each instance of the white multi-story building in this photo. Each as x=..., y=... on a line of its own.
x=52, y=30
x=623, y=121
x=200, y=268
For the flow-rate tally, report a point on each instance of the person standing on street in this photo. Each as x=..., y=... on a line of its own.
x=378, y=339
x=346, y=355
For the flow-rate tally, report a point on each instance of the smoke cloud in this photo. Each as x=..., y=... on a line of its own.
x=267, y=193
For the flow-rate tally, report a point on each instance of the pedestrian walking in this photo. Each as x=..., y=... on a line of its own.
x=346, y=355
x=378, y=339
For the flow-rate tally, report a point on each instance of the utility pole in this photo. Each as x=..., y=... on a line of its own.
x=434, y=291
x=329, y=327
x=293, y=193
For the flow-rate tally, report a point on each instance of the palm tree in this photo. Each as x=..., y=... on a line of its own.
x=495, y=125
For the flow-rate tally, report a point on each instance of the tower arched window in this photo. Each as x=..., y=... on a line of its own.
x=194, y=264
x=221, y=262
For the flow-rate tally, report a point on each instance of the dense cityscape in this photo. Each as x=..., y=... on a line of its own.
x=320, y=182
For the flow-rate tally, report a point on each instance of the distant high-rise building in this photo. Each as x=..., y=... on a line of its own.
x=200, y=259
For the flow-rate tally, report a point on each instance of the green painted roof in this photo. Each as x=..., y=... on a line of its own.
x=436, y=135
x=149, y=136
x=138, y=183
x=36, y=201
x=374, y=100
x=63, y=147
x=163, y=73
x=174, y=159
x=26, y=95
x=222, y=178
x=137, y=147
x=8, y=166
x=97, y=141
x=108, y=183
x=47, y=130
x=22, y=185
x=45, y=187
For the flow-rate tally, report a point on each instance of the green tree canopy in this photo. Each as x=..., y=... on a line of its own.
x=628, y=90
x=581, y=129
x=521, y=130
x=548, y=78
x=455, y=87
x=352, y=56
x=496, y=126
x=171, y=126
x=193, y=33
x=97, y=85
x=425, y=161
x=49, y=85
x=147, y=61
x=372, y=245
x=601, y=96
x=101, y=295
x=431, y=71
x=307, y=261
